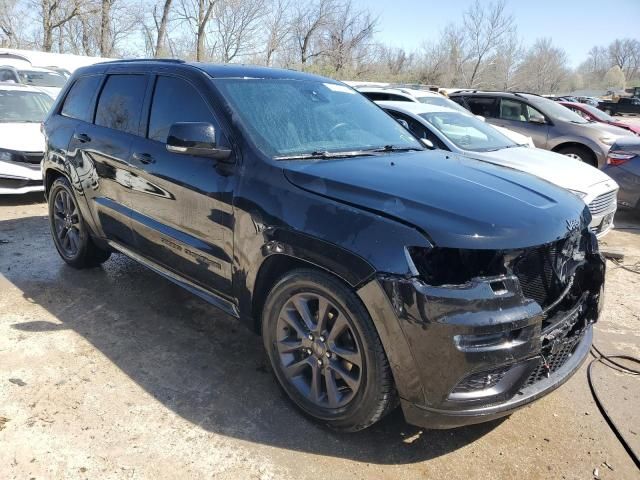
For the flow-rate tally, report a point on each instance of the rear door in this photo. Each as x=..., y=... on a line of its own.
x=102, y=153
x=183, y=216
x=523, y=118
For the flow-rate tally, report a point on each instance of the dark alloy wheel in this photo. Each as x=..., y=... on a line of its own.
x=70, y=233
x=66, y=223
x=326, y=352
x=317, y=350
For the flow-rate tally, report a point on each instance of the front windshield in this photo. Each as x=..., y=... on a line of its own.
x=555, y=111
x=287, y=117
x=468, y=132
x=599, y=114
x=443, y=102
x=23, y=107
x=41, y=79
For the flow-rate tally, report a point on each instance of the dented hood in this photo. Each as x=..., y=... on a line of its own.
x=456, y=201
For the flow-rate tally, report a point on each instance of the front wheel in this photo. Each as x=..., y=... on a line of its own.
x=325, y=351
x=579, y=153
x=69, y=230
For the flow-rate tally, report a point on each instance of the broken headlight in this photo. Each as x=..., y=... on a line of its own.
x=454, y=266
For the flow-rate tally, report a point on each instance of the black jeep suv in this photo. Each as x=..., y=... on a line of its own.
x=377, y=272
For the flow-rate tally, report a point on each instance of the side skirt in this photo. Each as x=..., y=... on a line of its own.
x=215, y=300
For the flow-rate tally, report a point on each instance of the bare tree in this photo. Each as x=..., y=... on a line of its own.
x=486, y=29
x=346, y=33
x=53, y=15
x=162, y=28
x=503, y=65
x=237, y=26
x=310, y=21
x=278, y=27
x=198, y=13
x=625, y=54
x=7, y=27
x=543, y=69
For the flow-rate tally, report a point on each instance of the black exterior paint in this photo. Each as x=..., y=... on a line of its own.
x=211, y=226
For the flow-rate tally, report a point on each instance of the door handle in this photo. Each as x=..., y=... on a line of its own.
x=143, y=158
x=82, y=137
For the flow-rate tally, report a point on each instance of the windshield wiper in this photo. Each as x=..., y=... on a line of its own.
x=325, y=155
x=392, y=148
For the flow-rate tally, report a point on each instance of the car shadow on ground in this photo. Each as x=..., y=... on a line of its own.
x=195, y=360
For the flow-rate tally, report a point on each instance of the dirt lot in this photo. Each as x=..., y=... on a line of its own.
x=117, y=373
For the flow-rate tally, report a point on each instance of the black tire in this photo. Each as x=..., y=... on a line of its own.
x=69, y=230
x=608, y=111
x=375, y=396
x=579, y=153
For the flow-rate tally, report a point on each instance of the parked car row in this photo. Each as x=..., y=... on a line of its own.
x=378, y=271
x=18, y=70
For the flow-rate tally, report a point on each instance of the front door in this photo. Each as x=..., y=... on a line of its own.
x=523, y=118
x=183, y=215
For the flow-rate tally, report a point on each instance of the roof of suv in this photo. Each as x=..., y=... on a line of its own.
x=219, y=70
x=411, y=92
x=471, y=93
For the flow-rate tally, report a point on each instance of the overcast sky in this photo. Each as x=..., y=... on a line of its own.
x=575, y=25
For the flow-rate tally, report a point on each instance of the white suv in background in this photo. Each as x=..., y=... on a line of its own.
x=426, y=97
x=22, y=109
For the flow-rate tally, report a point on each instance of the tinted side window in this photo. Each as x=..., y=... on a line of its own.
x=484, y=106
x=398, y=98
x=120, y=102
x=78, y=100
x=174, y=100
x=374, y=96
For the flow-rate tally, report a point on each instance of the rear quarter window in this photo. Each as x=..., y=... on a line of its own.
x=80, y=97
x=120, y=103
x=485, y=106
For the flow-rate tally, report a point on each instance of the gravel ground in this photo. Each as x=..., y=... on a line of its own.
x=117, y=373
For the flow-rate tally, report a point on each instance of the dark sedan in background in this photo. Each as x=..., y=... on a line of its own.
x=623, y=165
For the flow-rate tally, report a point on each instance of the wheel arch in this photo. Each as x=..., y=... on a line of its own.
x=574, y=144
x=50, y=175
x=276, y=265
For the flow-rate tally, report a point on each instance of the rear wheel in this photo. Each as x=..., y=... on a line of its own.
x=325, y=351
x=579, y=153
x=70, y=233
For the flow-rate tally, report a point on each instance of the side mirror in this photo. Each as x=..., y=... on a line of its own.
x=196, y=138
x=537, y=119
x=403, y=122
x=428, y=143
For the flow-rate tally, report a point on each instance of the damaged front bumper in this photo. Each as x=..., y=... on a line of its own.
x=469, y=353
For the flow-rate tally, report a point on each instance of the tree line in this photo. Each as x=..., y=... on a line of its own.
x=333, y=37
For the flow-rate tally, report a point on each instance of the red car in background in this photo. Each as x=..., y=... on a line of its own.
x=593, y=114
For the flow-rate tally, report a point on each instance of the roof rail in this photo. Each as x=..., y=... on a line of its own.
x=130, y=60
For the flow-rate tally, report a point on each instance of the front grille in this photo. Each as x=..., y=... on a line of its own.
x=481, y=380
x=554, y=361
x=534, y=270
x=33, y=157
x=18, y=182
x=603, y=203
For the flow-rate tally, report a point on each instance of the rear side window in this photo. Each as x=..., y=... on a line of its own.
x=378, y=96
x=120, y=103
x=175, y=100
x=484, y=106
x=78, y=100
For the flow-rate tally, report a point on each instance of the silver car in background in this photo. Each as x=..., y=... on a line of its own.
x=550, y=125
